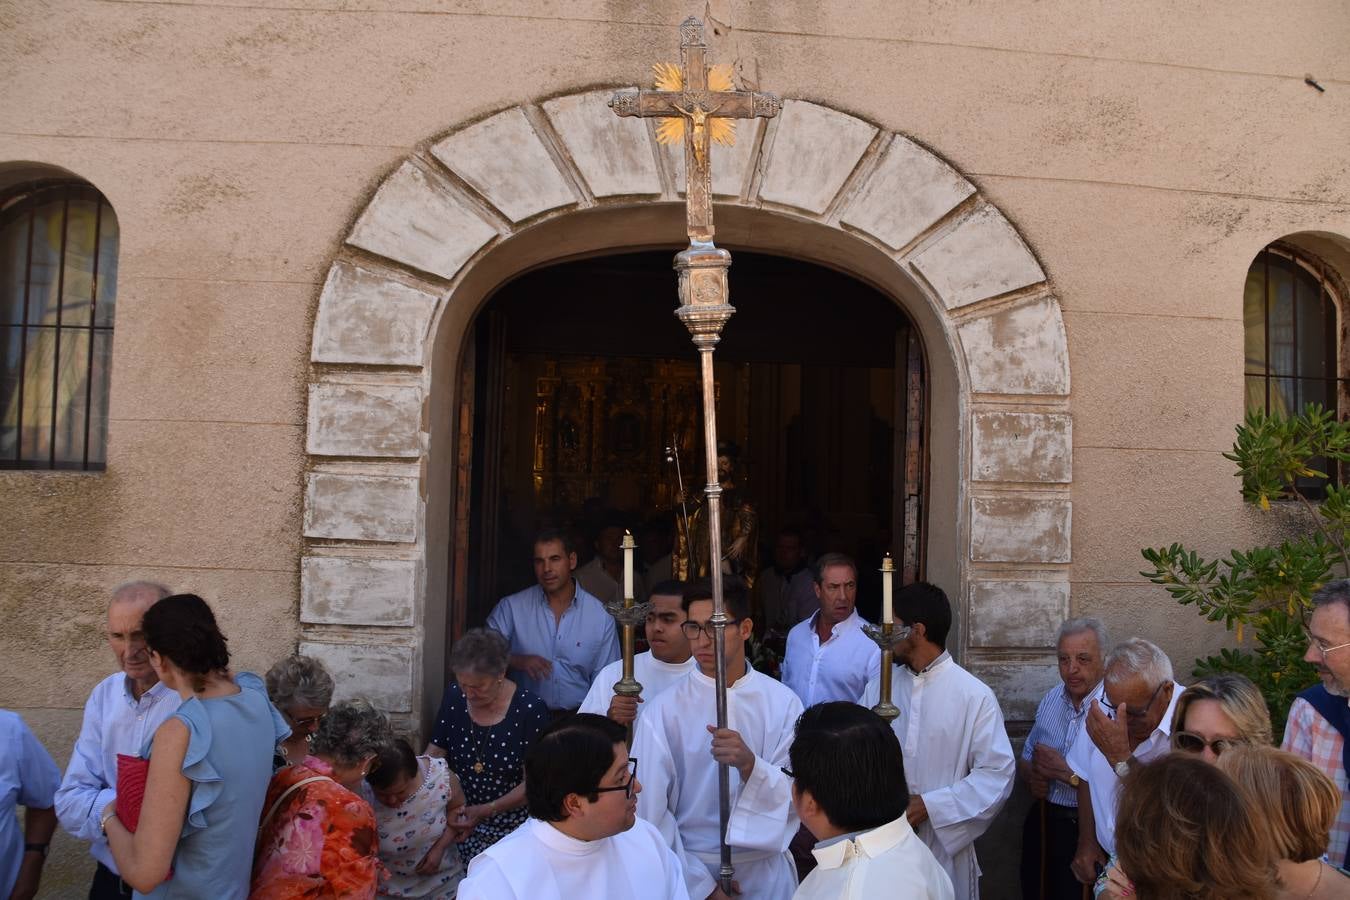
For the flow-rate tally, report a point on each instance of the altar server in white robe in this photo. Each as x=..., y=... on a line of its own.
x=848, y=784
x=957, y=754
x=583, y=837
x=679, y=748
x=668, y=660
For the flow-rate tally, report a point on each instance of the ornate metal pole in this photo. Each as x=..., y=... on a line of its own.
x=629, y=614
x=885, y=635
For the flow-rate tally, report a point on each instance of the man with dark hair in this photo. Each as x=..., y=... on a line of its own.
x=951, y=729
x=849, y=789
x=560, y=634
x=602, y=577
x=668, y=660
x=583, y=837
x=784, y=593
x=829, y=657
x=682, y=793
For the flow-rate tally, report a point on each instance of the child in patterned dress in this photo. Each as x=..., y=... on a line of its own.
x=416, y=798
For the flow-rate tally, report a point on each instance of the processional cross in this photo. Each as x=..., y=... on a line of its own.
x=698, y=104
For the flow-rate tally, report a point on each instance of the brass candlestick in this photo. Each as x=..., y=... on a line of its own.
x=629, y=614
x=885, y=635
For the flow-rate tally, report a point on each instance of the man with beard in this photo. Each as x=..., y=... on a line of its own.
x=1319, y=720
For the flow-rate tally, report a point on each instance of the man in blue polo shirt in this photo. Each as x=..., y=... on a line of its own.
x=561, y=636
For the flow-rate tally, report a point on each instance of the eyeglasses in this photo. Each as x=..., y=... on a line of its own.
x=1194, y=743
x=693, y=629
x=1134, y=713
x=1323, y=649
x=626, y=787
x=788, y=772
x=307, y=721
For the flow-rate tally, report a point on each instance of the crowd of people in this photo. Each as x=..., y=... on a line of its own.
x=190, y=779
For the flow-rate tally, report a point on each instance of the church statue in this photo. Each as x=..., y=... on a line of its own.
x=740, y=532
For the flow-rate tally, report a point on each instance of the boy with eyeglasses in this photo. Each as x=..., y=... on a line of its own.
x=583, y=837
x=680, y=749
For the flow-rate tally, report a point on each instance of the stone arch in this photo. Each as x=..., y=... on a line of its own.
x=512, y=191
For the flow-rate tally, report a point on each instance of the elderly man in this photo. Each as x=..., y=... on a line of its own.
x=1319, y=721
x=560, y=635
x=1050, y=834
x=121, y=714
x=957, y=754
x=1131, y=725
x=828, y=655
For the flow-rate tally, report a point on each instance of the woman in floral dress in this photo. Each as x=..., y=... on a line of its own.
x=415, y=799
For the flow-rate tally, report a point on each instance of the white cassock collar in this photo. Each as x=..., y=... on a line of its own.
x=697, y=674
x=555, y=840
x=869, y=844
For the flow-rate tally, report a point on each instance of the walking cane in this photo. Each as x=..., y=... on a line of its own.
x=1043, y=846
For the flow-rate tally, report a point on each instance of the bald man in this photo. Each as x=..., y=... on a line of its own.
x=123, y=710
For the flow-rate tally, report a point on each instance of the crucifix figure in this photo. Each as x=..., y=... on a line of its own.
x=698, y=104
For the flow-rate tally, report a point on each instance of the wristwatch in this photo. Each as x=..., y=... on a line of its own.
x=37, y=848
x=1122, y=768
x=1074, y=780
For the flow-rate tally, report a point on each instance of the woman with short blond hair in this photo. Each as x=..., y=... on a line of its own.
x=1223, y=710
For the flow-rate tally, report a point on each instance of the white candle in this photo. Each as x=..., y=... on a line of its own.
x=887, y=572
x=628, y=547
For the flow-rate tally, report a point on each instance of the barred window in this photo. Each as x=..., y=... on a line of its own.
x=58, y=291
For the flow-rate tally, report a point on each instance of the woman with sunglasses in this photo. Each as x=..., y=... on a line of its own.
x=301, y=689
x=318, y=836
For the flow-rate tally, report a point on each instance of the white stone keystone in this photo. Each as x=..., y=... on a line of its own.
x=1017, y=613
x=417, y=221
x=909, y=191
x=342, y=591
x=361, y=507
x=505, y=161
x=813, y=153
x=368, y=318
x=364, y=420
x=981, y=257
x=1022, y=350
x=1020, y=529
x=380, y=673
x=1015, y=446
x=613, y=154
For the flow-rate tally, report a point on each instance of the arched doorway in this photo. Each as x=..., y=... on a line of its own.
x=390, y=465
x=586, y=410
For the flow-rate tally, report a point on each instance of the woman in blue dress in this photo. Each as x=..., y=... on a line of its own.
x=209, y=766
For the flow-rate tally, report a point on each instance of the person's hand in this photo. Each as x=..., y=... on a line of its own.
x=30, y=874
x=1086, y=862
x=623, y=709
x=917, y=812
x=719, y=894
x=1038, y=784
x=1117, y=887
x=1049, y=764
x=467, y=820
x=536, y=667
x=1111, y=736
x=728, y=747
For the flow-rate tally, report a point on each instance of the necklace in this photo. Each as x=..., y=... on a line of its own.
x=478, y=750
x=1316, y=883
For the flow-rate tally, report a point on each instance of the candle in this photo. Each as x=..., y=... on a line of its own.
x=628, y=547
x=887, y=572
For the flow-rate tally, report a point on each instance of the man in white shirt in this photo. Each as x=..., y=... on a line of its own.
x=849, y=790
x=668, y=660
x=828, y=655
x=122, y=712
x=1130, y=726
x=959, y=760
x=681, y=797
x=583, y=837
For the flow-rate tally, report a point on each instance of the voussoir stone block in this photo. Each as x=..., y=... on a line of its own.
x=1019, y=686
x=380, y=673
x=416, y=220
x=504, y=160
x=982, y=257
x=368, y=318
x=909, y=190
x=813, y=153
x=613, y=154
x=730, y=165
x=1017, y=613
x=1020, y=529
x=344, y=591
x=364, y=420
x=1021, y=350
x=1018, y=446
x=361, y=507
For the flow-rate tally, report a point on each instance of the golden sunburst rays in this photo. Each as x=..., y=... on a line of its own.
x=671, y=130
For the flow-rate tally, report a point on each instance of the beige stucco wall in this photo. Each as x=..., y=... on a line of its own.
x=1145, y=153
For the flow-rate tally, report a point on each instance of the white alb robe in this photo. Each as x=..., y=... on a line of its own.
x=679, y=782
x=889, y=862
x=539, y=862
x=957, y=757
x=654, y=676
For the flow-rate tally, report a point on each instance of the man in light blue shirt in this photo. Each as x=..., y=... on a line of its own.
x=121, y=714
x=829, y=656
x=561, y=636
x=28, y=778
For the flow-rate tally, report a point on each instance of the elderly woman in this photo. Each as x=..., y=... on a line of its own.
x=485, y=725
x=301, y=689
x=1297, y=803
x=1218, y=712
x=317, y=838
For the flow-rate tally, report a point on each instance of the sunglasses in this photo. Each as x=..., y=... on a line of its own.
x=307, y=721
x=1194, y=743
x=627, y=786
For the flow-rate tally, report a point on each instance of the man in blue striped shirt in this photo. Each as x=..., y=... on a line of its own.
x=1050, y=835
